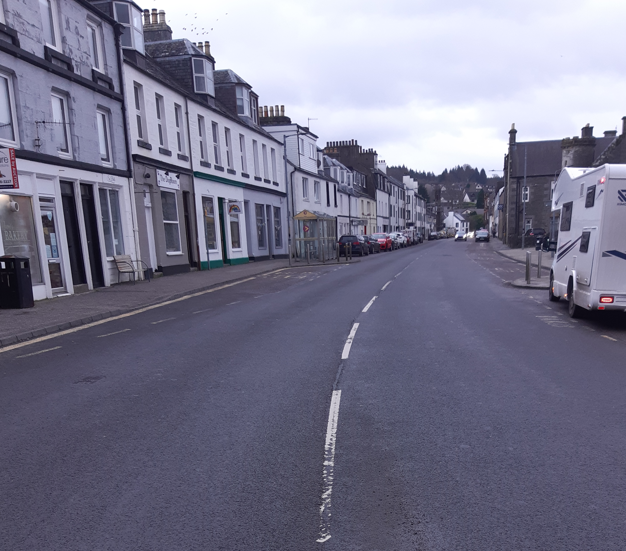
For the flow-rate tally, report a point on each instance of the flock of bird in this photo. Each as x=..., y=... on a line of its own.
x=193, y=28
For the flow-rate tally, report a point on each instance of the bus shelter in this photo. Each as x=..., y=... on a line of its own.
x=315, y=236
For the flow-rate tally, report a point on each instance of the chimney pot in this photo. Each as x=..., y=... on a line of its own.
x=282, y=110
x=146, y=17
x=623, y=125
x=276, y=110
x=587, y=131
x=265, y=111
x=162, y=17
x=154, y=16
x=271, y=110
x=207, y=48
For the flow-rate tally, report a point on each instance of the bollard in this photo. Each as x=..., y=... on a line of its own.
x=323, y=255
x=338, y=253
x=539, y=264
x=528, y=267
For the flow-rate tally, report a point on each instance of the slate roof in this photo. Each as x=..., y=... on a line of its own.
x=228, y=76
x=172, y=48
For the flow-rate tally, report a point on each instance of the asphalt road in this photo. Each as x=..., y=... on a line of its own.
x=466, y=414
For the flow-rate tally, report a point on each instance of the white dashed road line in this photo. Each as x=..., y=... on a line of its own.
x=231, y=303
x=161, y=321
x=40, y=352
x=369, y=304
x=115, y=333
x=385, y=285
x=329, y=466
x=346, y=349
x=610, y=338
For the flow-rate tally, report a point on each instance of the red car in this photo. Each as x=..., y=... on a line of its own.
x=386, y=244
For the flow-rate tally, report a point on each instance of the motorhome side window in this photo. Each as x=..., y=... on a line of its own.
x=590, y=200
x=566, y=216
x=584, y=241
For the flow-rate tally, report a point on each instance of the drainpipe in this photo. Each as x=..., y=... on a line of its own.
x=193, y=189
x=129, y=156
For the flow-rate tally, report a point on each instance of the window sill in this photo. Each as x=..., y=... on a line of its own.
x=265, y=180
x=144, y=145
x=231, y=171
x=217, y=167
x=205, y=164
x=245, y=175
x=276, y=183
x=174, y=254
x=258, y=178
x=182, y=157
x=164, y=151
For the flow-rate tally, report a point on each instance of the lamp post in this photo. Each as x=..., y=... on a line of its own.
x=289, y=191
x=524, y=195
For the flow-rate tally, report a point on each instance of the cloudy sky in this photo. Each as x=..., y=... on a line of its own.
x=427, y=83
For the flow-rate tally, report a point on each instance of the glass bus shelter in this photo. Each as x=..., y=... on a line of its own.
x=315, y=235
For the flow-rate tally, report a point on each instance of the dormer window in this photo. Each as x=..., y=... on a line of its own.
x=203, y=76
x=243, y=101
x=130, y=19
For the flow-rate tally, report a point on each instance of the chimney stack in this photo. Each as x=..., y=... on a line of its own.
x=512, y=135
x=207, y=48
x=154, y=16
x=162, y=17
x=282, y=110
x=146, y=17
x=587, y=131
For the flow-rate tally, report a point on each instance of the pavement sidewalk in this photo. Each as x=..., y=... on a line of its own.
x=519, y=255
x=58, y=314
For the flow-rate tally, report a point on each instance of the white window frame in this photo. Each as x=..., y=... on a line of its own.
x=274, y=166
x=140, y=119
x=96, y=48
x=65, y=123
x=243, y=100
x=203, y=81
x=254, y=109
x=103, y=124
x=202, y=138
x=255, y=154
x=10, y=98
x=50, y=9
x=266, y=172
x=180, y=128
x=312, y=151
x=159, y=104
x=242, y=150
x=305, y=189
x=301, y=146
x=134, y=27
x=217, y=153
x=229, y=147
x=2, y=19
x=525, y=194
x=261, y=230
x=316, y=191
x=172, y=222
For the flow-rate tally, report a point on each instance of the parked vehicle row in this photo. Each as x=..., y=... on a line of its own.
x=362, y=245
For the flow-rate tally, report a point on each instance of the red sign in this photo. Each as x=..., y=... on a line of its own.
x=8, y=169
x=306, y=229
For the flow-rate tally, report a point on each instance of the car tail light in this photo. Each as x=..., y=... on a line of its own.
x=355, y=243
x=607, y=300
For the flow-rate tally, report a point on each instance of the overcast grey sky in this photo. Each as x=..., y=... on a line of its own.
x=427, y=83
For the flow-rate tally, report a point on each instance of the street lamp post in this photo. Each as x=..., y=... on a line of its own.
x=524, y=194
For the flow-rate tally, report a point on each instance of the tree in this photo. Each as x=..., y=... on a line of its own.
x=423, y=192
x=480, y=200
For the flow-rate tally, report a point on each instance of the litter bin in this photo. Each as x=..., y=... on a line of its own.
x=16, y=288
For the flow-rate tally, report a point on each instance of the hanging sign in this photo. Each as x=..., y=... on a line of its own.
x=234, y=208
x=306, y=229
x=8, y=169
x=168, y=179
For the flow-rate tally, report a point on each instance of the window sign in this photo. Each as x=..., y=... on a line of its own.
x=18, y=232
x=209, y=223
x=8, y=169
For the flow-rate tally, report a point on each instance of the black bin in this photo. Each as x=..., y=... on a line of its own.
x=16, y=288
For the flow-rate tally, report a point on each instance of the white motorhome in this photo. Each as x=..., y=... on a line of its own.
x=589, y=267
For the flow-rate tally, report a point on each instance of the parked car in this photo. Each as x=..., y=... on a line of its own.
x=359, y=247
x=443, y=234
x=482, y=235
x=433, y=235
x=385, y=242
x=373, y=244
x=535, y=232
x=460, y=236
x=398, y=239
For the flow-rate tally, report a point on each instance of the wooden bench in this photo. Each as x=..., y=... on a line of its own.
x=126, y=265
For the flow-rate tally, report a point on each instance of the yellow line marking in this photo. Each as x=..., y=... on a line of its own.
x=122, y=316
x=610, y=338
x=40, y=352
x=115, y=333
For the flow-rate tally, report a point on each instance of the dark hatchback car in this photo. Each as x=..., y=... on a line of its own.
x=374, y=245
x=359, y=246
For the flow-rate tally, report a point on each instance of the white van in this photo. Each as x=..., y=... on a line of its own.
x=589, y=267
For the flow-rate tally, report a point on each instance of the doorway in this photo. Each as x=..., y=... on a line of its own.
x=91, y=233
x=188, y=230
x=51, y=242
x=72, y=232
x=220, y=204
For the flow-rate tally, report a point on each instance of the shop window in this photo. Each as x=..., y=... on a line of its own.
x=209, y=223
x=17, y=228
x=111, y=222
x=170, y=222
x=235, y=239
x=260, y=226
x=278, y=228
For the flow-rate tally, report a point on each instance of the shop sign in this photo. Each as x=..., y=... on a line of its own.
x=8, y=169
x=168, y=180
